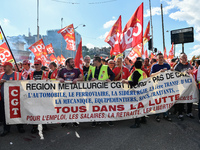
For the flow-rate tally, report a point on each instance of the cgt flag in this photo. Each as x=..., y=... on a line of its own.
x=5, y=54
x=58, y=59
x=69, y=36
x=146, y=36
x=171, y=52
x=165, y=54
x=152, y=55
x=135, y=52
x=53, y=58
x=132, y=34
x=146, y=54
x=38, y=49
x=50, y=49
x=62, y=59
x=113, y=37
x=79, y=58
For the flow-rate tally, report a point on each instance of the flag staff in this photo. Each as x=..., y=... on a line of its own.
x=151, y=23
x=9, y=48
x=163, y=34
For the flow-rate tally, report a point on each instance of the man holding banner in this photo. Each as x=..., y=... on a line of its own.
x=133, y=80
x=87, y=68
x=8, y=75
x=157, y=68
x=69, y=73
x=38, y=74
x=182, y=66
x=101, y=72
x=26, y=69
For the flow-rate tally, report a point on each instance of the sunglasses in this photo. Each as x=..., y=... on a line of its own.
x=36, y=64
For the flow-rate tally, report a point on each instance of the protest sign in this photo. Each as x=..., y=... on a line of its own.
x=42, y=102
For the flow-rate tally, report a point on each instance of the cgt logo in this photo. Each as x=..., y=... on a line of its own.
x=14, y=101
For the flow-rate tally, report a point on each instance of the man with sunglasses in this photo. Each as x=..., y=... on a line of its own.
x=26, y=69
x=38, y=74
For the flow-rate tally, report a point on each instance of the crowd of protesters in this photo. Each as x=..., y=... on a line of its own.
x=123, y=70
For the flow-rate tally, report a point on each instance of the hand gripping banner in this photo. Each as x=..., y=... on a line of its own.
x=42, y=102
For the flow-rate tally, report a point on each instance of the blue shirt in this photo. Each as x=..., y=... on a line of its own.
x=156, y=67
x=7, y=77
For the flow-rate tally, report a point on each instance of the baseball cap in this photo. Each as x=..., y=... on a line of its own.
x=7, y=64
x=26, y=61
x=37, y=61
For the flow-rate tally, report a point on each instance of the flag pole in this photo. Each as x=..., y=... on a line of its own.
x=163, y=33
x=9, y=47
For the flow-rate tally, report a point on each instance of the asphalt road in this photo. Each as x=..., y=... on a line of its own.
x=175, y=135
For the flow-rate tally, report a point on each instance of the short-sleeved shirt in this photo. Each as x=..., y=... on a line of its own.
x=25, y=73
x=181, y=68
x=69, y=75
x=125, y=74
x=156, y=67
x=37, y=75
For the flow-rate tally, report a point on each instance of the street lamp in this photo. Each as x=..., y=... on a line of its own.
x=80, y=25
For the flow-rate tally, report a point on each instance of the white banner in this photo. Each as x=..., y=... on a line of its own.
x=42, y=102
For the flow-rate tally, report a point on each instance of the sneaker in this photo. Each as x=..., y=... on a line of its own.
x=135, y=126
x=180, y=117
x=75, y=124
x=110, y=123
x=4, y=133
x=167, y=118
x=157, y=118
x=94, y=124
x=190, y=115
x=34, y=130
x=21, y=130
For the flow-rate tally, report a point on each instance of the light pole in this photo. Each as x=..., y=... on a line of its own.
x=80, y=25
x=37, y=19
x=151, y=23
x=163, y=28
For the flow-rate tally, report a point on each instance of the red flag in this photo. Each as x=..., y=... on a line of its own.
x=79, y=58
x=53, y=58
x=142, y=53
x=133, y=31
x=5, y=54
x=113, y=37
x=165, y=54
x=50, y=49
x=38, y=49
x=58, y=58
x=152, y=55
x=146, y=36
x=69, y=36
x=146, y=54
x=62, y=59
x=171, y=52
x=135, y=52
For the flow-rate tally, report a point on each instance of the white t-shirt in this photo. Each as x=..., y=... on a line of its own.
x=25, y=73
